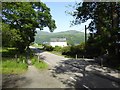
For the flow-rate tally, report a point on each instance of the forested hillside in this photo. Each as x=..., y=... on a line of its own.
x=72, y=36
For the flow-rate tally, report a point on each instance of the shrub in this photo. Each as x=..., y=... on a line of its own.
x=48, y=48
x=58, y=48
x=66, y=50
x=73, y=50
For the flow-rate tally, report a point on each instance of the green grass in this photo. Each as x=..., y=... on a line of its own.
x=10, y=64
x=37, y=46
x=56, y=53
x=13, y=67
x=39, y=64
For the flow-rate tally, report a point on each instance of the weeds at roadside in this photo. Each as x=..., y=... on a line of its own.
x=12, y=64
x=40, y=64
x=12, y=67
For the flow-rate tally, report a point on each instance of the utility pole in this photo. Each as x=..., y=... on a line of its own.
x=85, y=35
x=85, y=38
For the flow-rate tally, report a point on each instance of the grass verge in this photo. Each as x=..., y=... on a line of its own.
x=56, y=53
x=11, y=64
x=13, y=67
x=40, y=64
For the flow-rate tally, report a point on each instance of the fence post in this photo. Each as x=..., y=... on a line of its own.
x=16, y=57
x=101, y=62
x=83, y=56
x=38, y=58
x=76, y=56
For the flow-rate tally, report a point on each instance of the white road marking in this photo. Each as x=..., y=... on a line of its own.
x=86, y=87
x=72, y=78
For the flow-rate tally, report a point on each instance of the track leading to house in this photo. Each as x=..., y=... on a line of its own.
x=49, y=58
x=62, y=73
x=35, y=78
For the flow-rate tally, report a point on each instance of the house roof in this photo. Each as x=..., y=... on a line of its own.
x=58, y=40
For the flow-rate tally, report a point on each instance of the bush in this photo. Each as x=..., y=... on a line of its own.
x=58, y=48
x=92, y=51
x=66, y=50
x=48, y=48
x=73, y=50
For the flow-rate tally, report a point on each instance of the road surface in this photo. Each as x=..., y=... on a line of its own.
x=62, y=73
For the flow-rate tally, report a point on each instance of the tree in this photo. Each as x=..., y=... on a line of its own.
x=104, y=27
x=10, y=36
x=25, y=17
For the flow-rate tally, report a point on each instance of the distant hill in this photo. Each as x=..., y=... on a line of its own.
x=72, y=36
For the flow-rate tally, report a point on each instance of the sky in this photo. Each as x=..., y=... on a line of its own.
x=62, y=19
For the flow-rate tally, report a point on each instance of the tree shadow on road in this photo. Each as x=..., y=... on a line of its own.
x=14, y=81
x=37, y=52
x=73, y=73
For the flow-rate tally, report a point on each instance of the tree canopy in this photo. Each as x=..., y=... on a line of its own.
x=105, y=24
x=23, y=18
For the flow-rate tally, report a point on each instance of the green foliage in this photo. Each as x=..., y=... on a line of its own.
x=104, y=26
x=72, y=36
x=74, y=50
x=9, y=52
x=10, y=66
x=12, y=61
x=48, y=48
x=57, y=48
x=39, y=64
x=33, y=60
x=37, y=45
x=118, y=68
x=66, y=50
x=10, y=36
x=23, y=22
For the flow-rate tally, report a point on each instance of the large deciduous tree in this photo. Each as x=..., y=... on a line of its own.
x=25, y=17
x=105, y=24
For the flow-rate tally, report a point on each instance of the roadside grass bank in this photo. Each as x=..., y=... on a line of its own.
x=40, y=64
x=12, y=61
x=13, y=67
x=56, y=53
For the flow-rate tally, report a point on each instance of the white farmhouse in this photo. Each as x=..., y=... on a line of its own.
x=58, y=42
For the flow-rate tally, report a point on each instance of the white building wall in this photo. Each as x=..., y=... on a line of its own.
x=61, y=44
